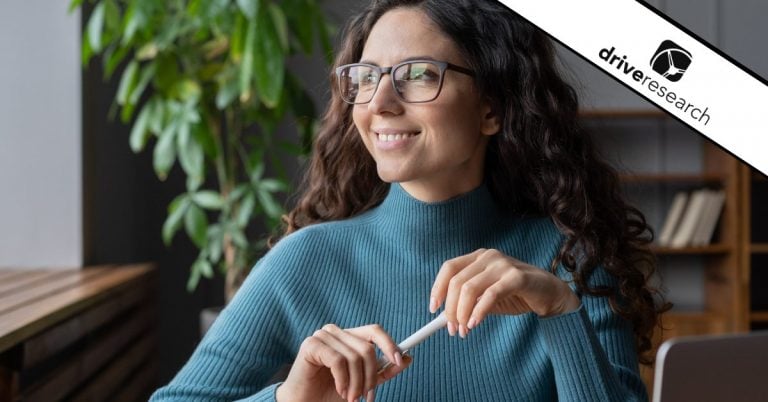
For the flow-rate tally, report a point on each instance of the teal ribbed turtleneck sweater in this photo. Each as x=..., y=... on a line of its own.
x=379, y=268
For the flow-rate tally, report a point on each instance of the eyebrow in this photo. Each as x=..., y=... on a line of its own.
x=403, y=60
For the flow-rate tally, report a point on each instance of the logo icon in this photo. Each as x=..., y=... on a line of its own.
x=671, y=61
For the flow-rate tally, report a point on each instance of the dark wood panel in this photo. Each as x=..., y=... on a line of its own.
x=79, y=368
x=140, y=385
x=109, y=382
x=56, y=339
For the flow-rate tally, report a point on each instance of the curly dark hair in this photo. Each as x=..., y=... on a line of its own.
x=542, y=162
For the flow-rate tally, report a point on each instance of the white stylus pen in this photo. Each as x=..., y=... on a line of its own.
x=415, y=339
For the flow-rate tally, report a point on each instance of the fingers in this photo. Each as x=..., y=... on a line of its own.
x=394, y=370
x=463, y=290
x=448, y=270
x=470, y=294
x=351, y=357
x=360, y=355
x=376, y=334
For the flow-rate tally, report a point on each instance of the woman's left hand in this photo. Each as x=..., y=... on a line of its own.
x=490, y=282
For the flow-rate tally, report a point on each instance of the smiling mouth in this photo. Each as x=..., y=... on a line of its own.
x=396, y=137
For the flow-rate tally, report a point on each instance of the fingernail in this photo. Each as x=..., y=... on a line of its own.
x=472, y=323
x=451, y=328
x=432, y=305
x=462, y=331
x=369, y=396
x=344, y=394
x=398, y=359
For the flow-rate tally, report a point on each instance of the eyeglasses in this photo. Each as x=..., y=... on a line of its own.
x=415, y=81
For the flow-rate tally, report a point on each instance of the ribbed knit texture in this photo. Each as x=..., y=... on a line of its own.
x=379, y=267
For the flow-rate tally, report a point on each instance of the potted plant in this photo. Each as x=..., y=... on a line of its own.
x=205, y=83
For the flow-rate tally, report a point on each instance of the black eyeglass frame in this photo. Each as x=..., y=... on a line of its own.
x=442, y=65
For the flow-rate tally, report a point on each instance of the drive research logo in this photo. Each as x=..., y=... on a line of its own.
x=671, y=65
x=671, y=61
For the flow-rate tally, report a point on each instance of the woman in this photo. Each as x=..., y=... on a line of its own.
x=450, y=174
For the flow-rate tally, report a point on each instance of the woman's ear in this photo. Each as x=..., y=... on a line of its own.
x=491, y=122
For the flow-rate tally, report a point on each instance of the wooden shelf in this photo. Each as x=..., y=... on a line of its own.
x=759, y=248
x=653, y=178
x=757, y=176
x=710, y=249
x=758, y=316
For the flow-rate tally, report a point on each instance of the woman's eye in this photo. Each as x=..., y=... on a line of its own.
x=422, y=75
x=368, y=79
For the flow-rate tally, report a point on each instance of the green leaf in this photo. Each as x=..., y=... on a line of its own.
x=96, y=27
x=238, y=237
x=204, y=267
x=133, y=21
x=148, y=51
x=165, y=153
x=156, y=115
x=215, y=242
x=271, y=207
x=249, y=7
x=194, y=279
x=167, y=74
x=237, y=40
x=113, y=59
x=272, y=185
x=127, y=82
x=194, y=183
x=86, y=51
x=188, y=90
x=74, y=4
x=176, y=211
x=202, y=134
x=190, y=153
x=127, y=112
x=208, y=200
x=238, y=193
x=257, y=172
x=147, y=73
x=246, y=70
x=111, y=18
x=269, y=63
x=196, y=225
x=281, y=25
x=139, y=132
x=229, y=88
x=246, y=210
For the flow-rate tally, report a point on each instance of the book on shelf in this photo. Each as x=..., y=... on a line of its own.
x=706, y=227
x=673, y=218
x=692, y=218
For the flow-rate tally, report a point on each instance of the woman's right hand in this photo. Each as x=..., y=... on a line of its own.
x=337, y=364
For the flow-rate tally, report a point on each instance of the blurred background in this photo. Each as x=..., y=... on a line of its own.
x=75, y=195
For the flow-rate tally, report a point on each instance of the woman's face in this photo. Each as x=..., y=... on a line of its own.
x=435, y=150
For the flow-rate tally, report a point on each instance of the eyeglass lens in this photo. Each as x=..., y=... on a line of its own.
x=414, y=82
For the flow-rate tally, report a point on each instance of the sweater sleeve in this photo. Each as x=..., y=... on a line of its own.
x=247, y=343
x=593, y=354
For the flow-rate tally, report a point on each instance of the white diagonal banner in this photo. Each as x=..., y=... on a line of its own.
x=665, y=65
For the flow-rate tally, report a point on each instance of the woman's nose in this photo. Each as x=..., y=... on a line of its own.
x=385, y=100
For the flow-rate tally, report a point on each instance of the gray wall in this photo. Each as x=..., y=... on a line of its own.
x=40, y=174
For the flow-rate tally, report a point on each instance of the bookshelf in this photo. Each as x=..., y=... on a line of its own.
x=718, y=268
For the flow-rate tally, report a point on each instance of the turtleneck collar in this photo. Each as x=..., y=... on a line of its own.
x=469, y=214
